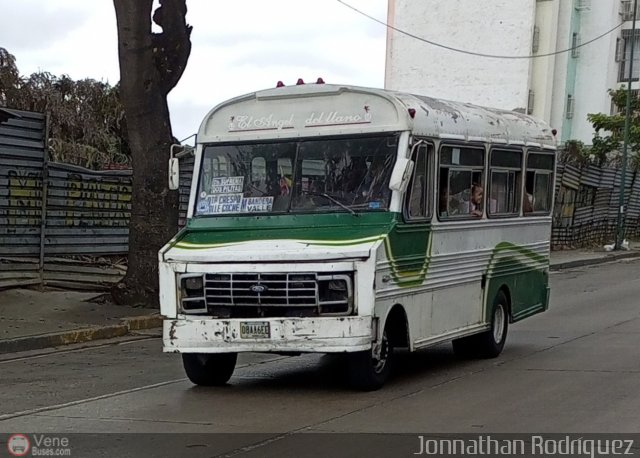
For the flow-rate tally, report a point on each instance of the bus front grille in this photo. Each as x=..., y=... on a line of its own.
x=261, y=290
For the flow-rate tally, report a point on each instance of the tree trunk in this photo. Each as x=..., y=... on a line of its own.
x=150, y=66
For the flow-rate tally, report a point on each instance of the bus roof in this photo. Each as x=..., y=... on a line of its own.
x=309, y=110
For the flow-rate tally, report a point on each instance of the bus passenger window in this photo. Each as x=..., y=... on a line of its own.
x=461, y=185
x=538, y=184
x=505, y=183
x=417, y=199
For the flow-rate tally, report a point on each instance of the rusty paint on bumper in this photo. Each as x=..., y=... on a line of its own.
x=314, y=335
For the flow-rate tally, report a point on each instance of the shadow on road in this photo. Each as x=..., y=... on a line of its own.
x=327, y=373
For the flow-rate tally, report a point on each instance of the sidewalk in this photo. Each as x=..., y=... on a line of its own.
x=31, y=319
x=575, y=258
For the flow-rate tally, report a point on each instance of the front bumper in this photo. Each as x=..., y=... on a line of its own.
x=314, y=335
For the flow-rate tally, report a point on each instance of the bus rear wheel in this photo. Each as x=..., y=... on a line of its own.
x=488, y=344
x=491, y=342
x=209, y=369
x=369, y=370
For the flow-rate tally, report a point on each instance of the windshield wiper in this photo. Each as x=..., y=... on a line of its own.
x=332, y=199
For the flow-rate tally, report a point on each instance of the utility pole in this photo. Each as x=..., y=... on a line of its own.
x=627, y=122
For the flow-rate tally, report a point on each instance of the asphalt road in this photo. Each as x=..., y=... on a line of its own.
x=573, y=369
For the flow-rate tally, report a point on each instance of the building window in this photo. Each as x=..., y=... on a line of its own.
x=635, y=93
x=619, y=49
x=575, y=45
x=570, y=106
x=582, y=5
x=623, y=73
x=626, y=10
x=535, y=43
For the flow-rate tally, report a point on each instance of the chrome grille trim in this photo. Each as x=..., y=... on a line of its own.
x=281, y=289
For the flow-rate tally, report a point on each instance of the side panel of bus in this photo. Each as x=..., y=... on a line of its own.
x=446, y=272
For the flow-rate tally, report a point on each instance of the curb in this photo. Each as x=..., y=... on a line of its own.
x=81, y=335
x=594, y=261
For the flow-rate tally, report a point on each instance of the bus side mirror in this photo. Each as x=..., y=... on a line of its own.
x=174, y=173
x=174, y=165
x=401, y=175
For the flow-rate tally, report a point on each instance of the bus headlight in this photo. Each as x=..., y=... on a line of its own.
x=193, y=286
x=335, y=294
x=192, y=296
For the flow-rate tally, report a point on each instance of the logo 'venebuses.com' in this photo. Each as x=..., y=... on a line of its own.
x=18, y=445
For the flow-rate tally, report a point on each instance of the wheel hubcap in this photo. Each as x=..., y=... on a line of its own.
x=498, y=324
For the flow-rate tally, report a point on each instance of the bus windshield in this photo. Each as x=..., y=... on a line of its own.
x=324, y=175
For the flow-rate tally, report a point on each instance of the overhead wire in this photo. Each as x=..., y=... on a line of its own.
x=473, y=53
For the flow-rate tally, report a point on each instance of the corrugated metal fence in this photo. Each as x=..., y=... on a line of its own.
x=82, y=241
x=586, y=207
x=21, y=204
x=86, y=214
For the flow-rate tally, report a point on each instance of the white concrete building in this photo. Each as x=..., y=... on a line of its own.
x=561, y=89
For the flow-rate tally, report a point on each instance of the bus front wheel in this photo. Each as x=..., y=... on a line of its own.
x=209, y=369
x=368, y=370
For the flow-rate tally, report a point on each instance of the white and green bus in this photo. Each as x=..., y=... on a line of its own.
x=341, y=219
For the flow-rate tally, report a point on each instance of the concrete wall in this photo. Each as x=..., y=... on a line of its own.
x=559, y=90
x=506, y=27
x=597, y=70
x=490, y=26
x=543, y=68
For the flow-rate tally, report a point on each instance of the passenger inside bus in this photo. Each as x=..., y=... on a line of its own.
x=471, y=201
x=476, y=200
x=527, y=204
x=373, y=187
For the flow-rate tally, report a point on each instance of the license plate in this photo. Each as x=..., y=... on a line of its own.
x=255, y=330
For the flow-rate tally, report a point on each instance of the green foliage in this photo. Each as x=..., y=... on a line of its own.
x=87, y=125
x=609, y=132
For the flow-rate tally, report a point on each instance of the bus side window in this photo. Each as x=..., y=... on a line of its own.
x=417, y=202
x=461, y=182
x=538, y=184
x=443, y=192
x=505, y=176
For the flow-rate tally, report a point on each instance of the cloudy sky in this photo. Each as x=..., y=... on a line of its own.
x=238, y=46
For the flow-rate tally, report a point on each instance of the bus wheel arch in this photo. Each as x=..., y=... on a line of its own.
x=489, y=343
x=368, y=370
x=504, y=288
x=397, y=327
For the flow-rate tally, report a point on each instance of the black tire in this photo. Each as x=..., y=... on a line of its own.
x=209, y=369
x=488, y=344
x=491, y=342
x=368, y=372
x=465, y=347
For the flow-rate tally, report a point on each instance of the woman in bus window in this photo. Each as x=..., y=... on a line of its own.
x=471, y=203
x=475, y=203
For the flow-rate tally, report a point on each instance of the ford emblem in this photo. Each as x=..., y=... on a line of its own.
x=258, y=288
